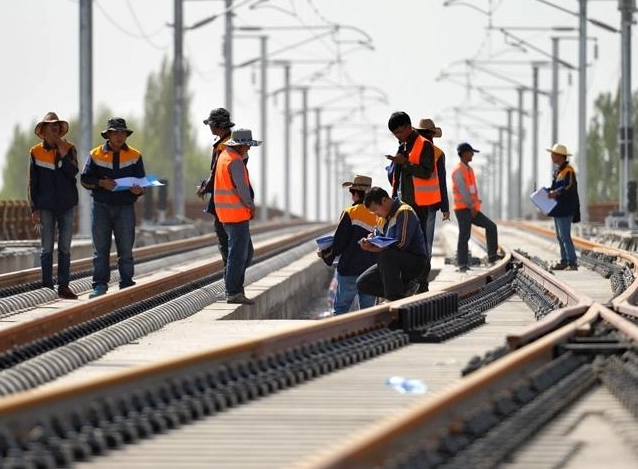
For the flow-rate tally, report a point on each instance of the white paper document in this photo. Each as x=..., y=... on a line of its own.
x=124, y=184
x=542, y=200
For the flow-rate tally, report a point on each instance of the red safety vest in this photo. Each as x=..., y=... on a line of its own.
x=228, y=205
x=470, y=183
x=426, y=191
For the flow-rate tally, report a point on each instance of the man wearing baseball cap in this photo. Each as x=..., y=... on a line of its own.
x=220, y=126
x=467, y=208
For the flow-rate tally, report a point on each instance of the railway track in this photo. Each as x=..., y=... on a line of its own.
x=344, y=411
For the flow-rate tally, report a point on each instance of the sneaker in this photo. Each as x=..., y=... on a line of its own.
x=560, y=266
x=48, y=285
x=66, y=293
x=423, y=287
x=126, y=285
x=412, y=288
x=572, y=267
x=240, y=299
x=462, y=268
x=98, y=290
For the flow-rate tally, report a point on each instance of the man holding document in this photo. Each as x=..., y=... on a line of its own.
x=566, y=209
x=112, y=210
x=399, y=242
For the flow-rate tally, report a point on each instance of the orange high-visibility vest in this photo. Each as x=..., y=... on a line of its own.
x=128, y=157
x=470, y=184
x=426, y=191
x=228, y=205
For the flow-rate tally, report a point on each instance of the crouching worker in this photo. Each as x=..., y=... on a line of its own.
x=403, y=257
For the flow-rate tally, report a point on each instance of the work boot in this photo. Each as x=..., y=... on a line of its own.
x=66, y=293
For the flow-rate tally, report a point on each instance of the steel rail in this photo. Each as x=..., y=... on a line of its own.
x=624, y=303
x=382, y=443
x=25, y=409
x=372, y=447
x=141, y=254
x=27, y=332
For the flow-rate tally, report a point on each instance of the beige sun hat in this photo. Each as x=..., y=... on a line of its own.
x=559, y=149
x=359, y=183
x=51, y=118
x=428, y=124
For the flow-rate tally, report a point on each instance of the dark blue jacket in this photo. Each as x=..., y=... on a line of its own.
x=403, y=225
x=356, y=222
x=52, y=184
x=104, y=163
x=567, y=202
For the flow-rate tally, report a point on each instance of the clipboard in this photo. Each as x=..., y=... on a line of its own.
x=541, y=199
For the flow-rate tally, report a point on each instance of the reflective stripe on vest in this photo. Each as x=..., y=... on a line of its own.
x=360, y=216
x=104, y=159
x=426, y=191
x=470, y=184
x=228, y=204
x=42, y=157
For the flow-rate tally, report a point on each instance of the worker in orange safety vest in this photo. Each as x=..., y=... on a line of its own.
x=235, y=207
x=467, y=208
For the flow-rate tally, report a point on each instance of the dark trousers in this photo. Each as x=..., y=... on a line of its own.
x=390, y=276
x=423, y=214
x=222, y=239
x=240, y=254
x=465, y=221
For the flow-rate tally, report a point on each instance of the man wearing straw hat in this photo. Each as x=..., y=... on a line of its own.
x=235, y=208
x=428, y=130
x=53, y=195
x=564, y=190
x=356, y=222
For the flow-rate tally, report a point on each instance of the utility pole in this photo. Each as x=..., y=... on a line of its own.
x=501, y=179
x=287, y=141
x=304, y=152
x=535, y=128
x=86, y=103
x=494, y=183
x=519, y=176
x=318, y=163
x=554, y=90
x=178, y=112
x=328, y=172
x=582, y=109
x=627, y=8
x=263, y=67
x=228, y=56
x=509, y=164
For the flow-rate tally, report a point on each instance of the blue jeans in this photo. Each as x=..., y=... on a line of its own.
x=563, y=227
x=346, y=291
x=429, y=231
x=64, y=221
x=118, y=220
x=240, y=254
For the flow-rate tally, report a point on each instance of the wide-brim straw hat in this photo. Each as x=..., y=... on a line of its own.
x=51, y=118
x=242, y=137
x=358, y=183
x=559, y=149
x=428, y=124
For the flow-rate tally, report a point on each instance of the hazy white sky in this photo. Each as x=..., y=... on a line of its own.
x=414, y=42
